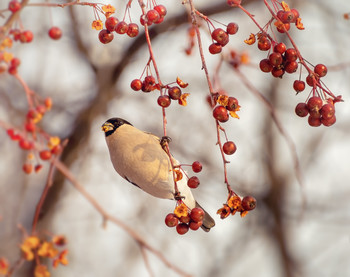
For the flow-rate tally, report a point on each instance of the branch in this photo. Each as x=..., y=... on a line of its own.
x=107, y=217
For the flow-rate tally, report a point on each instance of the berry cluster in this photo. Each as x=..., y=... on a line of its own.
x=184, y=219
x=14, y=6
x=23, y=36
x=35, y=249
x=112, y=24
x=147, y=85
x=31, y=133
x=220, y=37
x=193, y=182
x=226, y=107
x=319, y=111
x=235, y=204
x=154, y=16
x=281, y=60
x=120, y=27
x=320, y=107
x=172, y=92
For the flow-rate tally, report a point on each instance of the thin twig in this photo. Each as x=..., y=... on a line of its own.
x=106, y=216
x=278, y=124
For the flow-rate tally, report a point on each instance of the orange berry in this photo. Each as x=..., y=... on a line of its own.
x=27, y=168
x=45, y=155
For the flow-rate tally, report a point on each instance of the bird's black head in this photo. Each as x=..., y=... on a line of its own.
x=112, y=124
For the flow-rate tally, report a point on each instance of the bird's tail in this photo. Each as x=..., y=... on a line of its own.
x=208, y=221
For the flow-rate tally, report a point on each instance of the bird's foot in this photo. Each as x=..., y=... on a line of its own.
x=164, y=141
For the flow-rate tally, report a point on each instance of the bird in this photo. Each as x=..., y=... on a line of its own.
x=140, y=158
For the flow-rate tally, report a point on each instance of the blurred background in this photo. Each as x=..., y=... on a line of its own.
x=90, y=82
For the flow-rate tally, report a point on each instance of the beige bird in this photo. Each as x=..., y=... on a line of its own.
x=140, y=159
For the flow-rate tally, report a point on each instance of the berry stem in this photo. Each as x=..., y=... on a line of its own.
x=277, y=122
x=27, y=90
x=108, y=217
x=49, y=182
x=200, y=46
x=211, y=90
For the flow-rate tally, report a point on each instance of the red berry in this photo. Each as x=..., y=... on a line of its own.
x=248, y=203
x=55, y=33
x=11, y=133
x=195, y=225
x=275, y=58
x=314, y=104
x=215, y=48
x=286, y=16
x=26, y=36
x=136, y=84
x=327, y=111
x=12, y=70
x=30, y=126
x=314, y=121
x=105, y=36
x=311, y=80
x=160, y=20
x=133, y=30
x=299, y=85
x=196, y=166
x=15, y=62
x=152, y=16
x=220, y=36
x=265, y=65
x=328, y=121
x=234, y=2
x=45, y=155
x=150, y=80
x=320, y=70
x=291, y=67
x=146, y=87
x=232, y=104
x=280, y=48
x=220, y=113
x=229, y=148
x=277, y=72
x=264, y=44
x=164, y=101
x=171, y=220
x=27, y=168
x=14, y=6
x=121, y=27
x=301, y=110
x=232, y=28
x=56, y=149
x=283, y=28
x=174, y=92
x=25, y=144
x=182, y=228
x=161, y=10
x=185, y=219
x=111, y=22
x=296, y=14
x=38, y=167
x=197, y=214
x=143, y=19
x=193, y=182
x=291, y=55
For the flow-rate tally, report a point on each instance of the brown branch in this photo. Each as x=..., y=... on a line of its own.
x=277, y=122
x=107, y=217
